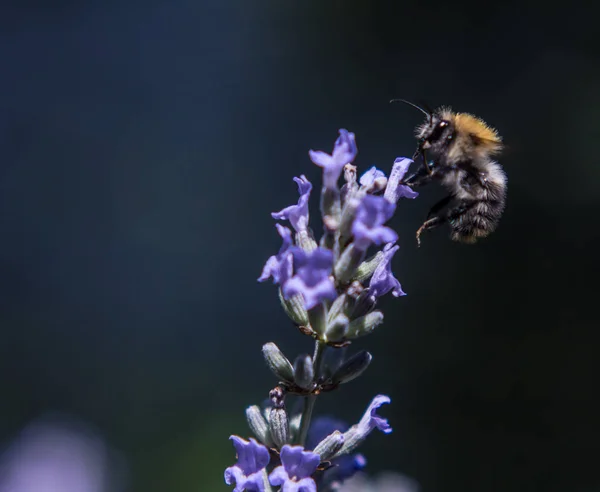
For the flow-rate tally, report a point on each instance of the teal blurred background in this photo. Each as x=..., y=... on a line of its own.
x=143, y=146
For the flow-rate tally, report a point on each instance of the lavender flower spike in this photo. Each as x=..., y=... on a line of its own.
x=247, y=473
x=279, y=266
x=297, y=467
x=312, y=279
x=368, y=227
x=394, y=190
x=297, y=214
x=344, y=152
x=383, y=279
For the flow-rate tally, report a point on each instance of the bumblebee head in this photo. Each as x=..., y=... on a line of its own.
x=437, y=133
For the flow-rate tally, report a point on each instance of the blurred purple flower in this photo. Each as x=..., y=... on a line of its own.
x=383, y=279
x=384, y=482
x=394, y=190
x=344, y=152
x=344, y=466
x=321, y=427
x=297, y=214
x=368, y=227
x=247, y=473
x=57, y=454
x=312, y=278
x=297, y=467
x=369, y=177
x=279, y=266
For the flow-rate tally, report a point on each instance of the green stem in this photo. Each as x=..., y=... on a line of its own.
x=266, y=481
x=309, y=401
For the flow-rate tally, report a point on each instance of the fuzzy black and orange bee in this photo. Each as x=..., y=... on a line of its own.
x=460, y=147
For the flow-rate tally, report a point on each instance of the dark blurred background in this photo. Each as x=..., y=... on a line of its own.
x=143, y=146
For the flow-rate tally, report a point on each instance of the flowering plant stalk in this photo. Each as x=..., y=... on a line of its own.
x=330, y=291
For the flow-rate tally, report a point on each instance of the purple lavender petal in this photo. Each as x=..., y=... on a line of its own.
x=252, y=456
x=254, y=482
x=394, y=190
x=368, y=227
x=278, y=476
x=371, y=420
x=366, y=235
x=279, y=266
x=299, y=463
x=369, y=177
x=297, y=214
x=344, y=152
x=304, y=485
x=344, y=148
x=312, y=278
x=295, y=286
x=235, y=475
x=405, y=191
x=247, y=473
x=383, y=279
x=290, y=480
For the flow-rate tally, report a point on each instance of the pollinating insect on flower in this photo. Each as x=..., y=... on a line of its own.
x=329, y=287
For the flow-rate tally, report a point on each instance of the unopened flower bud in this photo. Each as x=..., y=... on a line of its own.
x=349, y=261
x=330, y=203
x=351, y=186
x=277, y=397
x=338, y=307
x=337, y=328
x=318, y=319
x=352, y=368
x=278, y=363
x=279, y=428
x=365, y=324
x=329, y=446
x=348, y=215
x=378, y=185
x=294, y=423
x=258, y=425
x=367, y=267
x=304, y=371
x=373, y=181
x=365, y=303
x=330, y=227
x=294, y=308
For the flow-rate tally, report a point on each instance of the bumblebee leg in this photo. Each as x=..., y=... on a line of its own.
x=433, y=217
x=421, y=177
x=439, y=206
x=429, y=224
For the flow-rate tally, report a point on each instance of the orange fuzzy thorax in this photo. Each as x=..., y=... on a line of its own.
x=484, y=135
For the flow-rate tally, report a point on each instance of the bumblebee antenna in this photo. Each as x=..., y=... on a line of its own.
x=420, y=150
x=426, y=107
x=426, y=113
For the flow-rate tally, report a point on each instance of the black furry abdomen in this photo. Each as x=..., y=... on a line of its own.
x=476, y=220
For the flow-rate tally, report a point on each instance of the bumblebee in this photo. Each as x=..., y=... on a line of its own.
x=460, y=147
